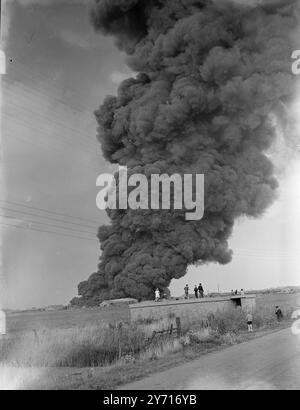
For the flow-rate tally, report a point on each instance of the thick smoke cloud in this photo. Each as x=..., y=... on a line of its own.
x=211, y=73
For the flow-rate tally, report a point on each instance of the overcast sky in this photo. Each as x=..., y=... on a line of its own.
x=58, y=72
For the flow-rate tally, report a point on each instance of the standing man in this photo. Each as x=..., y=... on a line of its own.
x=250, y=322
x=200, y=290
x=196, y=291
x=186, y=291
x=278, y=313
x=157, y=295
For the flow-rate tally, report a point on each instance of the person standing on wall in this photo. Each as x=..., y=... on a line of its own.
x=200, y=290
x=157, y=295
x=186, y=291
x=196, y=291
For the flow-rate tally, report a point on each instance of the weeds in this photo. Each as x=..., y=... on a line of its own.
x=92, y=346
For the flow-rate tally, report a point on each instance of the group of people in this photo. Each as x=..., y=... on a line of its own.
x=198, y=290
x=236, y=292
x=199, y=293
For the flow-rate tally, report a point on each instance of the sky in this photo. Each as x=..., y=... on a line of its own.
x=58, y=71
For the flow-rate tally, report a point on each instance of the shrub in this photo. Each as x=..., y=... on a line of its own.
x=229, y=321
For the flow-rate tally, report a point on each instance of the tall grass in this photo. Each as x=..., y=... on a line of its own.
x=80, y=347
x=234, y=320
x=92, y=346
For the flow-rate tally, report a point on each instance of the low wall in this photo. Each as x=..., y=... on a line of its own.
x=189, y=310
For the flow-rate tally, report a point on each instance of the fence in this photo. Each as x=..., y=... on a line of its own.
x=174, y=331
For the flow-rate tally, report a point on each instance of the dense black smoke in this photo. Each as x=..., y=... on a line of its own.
x=210, y=75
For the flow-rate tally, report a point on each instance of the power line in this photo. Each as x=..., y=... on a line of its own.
x=49, y=212
x=46, y=217
x=47, y=224
x=55, y=119
x=259, y=255
x=18, y=65
x=48, y=148
x=59, y=127
x=45, y=231
x=43, y=94
x=42, y=144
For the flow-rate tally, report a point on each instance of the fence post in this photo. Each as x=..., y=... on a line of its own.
x=171, y=329
x=36, y=337
x=178, y=325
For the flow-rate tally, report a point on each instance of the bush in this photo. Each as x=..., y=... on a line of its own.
x=229, y=321
x=203, y=336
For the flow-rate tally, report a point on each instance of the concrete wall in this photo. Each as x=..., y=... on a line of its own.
x=2, y=322
x=189, y=310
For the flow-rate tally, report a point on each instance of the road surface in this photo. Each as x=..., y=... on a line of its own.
x=271, y=362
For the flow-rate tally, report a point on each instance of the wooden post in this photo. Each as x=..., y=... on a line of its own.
x=120, y=350
x=36, y=337
x=178, y=325
x=171, y=329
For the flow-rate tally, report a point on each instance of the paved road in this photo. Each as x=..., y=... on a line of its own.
x=269, y=363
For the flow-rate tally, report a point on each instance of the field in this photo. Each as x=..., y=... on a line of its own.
x=72, y=318
x=284, y=300
x=102, y=341
x=64, y=319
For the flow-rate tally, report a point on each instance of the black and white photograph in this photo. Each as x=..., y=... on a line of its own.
x=149, y=198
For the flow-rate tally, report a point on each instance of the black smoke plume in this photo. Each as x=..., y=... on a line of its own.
x=210, y=75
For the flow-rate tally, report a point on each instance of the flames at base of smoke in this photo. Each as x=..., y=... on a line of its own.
x=211, y=73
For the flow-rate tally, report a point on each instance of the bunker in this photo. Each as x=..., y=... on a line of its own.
x=190, y=310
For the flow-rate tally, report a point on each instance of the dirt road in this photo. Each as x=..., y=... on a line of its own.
x=268, y=363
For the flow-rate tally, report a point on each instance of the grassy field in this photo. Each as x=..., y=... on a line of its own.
x=286, y=301
x=64, y=319
x=72, y=318
x=92, y=341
